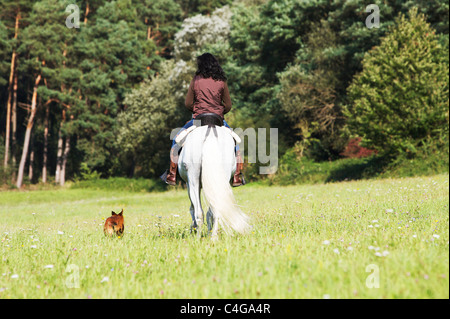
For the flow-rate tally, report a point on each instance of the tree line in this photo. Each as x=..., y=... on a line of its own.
x=105, y=96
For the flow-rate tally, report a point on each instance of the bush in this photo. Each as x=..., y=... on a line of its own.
x=400, y=99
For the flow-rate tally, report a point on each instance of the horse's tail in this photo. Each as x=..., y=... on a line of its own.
x=217, y=189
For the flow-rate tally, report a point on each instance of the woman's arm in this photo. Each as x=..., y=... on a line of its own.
x=226, y=99
x=189, y=102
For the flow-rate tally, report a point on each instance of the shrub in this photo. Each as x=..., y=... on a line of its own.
x=400, y=99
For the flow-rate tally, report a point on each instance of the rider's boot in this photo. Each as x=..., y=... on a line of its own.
x=238, y=178
x=170, y=175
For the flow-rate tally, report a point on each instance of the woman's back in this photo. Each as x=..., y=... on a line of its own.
x=208, y=96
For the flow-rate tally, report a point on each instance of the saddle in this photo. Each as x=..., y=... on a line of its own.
x=209, y=119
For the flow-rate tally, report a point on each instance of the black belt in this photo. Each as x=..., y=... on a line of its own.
x=210, y=119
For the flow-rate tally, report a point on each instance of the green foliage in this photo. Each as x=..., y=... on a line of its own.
x=162, y=19
x=300, y=170
x=205, y=7
x=289, y=64
x=400, y=99
x=153, y=110
x=86, y=174
x=5, y=54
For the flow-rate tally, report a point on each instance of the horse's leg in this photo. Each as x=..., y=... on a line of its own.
x=210, y=220
x=194, y=195
x=213, y=224
x=194, y=224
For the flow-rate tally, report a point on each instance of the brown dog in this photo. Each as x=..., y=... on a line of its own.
x=114, y=225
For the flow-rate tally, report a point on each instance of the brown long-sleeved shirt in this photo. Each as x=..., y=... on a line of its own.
x=208, y=96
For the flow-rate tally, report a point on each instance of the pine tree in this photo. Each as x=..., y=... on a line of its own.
x=13, y=13
x=162, y=19
x=114, y=56
x=46, y=43
x=400, y=99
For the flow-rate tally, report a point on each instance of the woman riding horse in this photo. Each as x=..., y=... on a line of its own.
x=208, y=93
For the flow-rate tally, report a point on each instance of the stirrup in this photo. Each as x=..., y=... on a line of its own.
x=243, y=182
x=163, y=177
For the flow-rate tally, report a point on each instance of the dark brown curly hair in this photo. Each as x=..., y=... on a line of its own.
x=209, y=67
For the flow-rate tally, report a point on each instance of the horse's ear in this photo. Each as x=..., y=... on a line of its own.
x=121, y=212
x=113, y=213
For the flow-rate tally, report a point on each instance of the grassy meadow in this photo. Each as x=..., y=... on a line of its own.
x=332, y=240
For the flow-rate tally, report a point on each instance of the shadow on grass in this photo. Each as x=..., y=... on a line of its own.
x=123, y=184
x=364, y=168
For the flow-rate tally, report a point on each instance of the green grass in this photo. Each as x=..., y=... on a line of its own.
x=285, y=256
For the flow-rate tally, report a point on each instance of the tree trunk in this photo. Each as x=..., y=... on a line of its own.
x=86, y=13
x=62, y=178
x=59, y=155
x=26, y=141
x=8, y=103
x=31, y=160
x=14, y=124
x=45, y=156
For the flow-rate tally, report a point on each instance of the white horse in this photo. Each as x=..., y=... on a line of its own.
x=207, y=161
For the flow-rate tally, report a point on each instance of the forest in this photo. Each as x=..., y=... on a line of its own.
x=94, y=91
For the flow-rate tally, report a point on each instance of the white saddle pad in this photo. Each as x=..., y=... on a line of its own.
x=181, y=138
